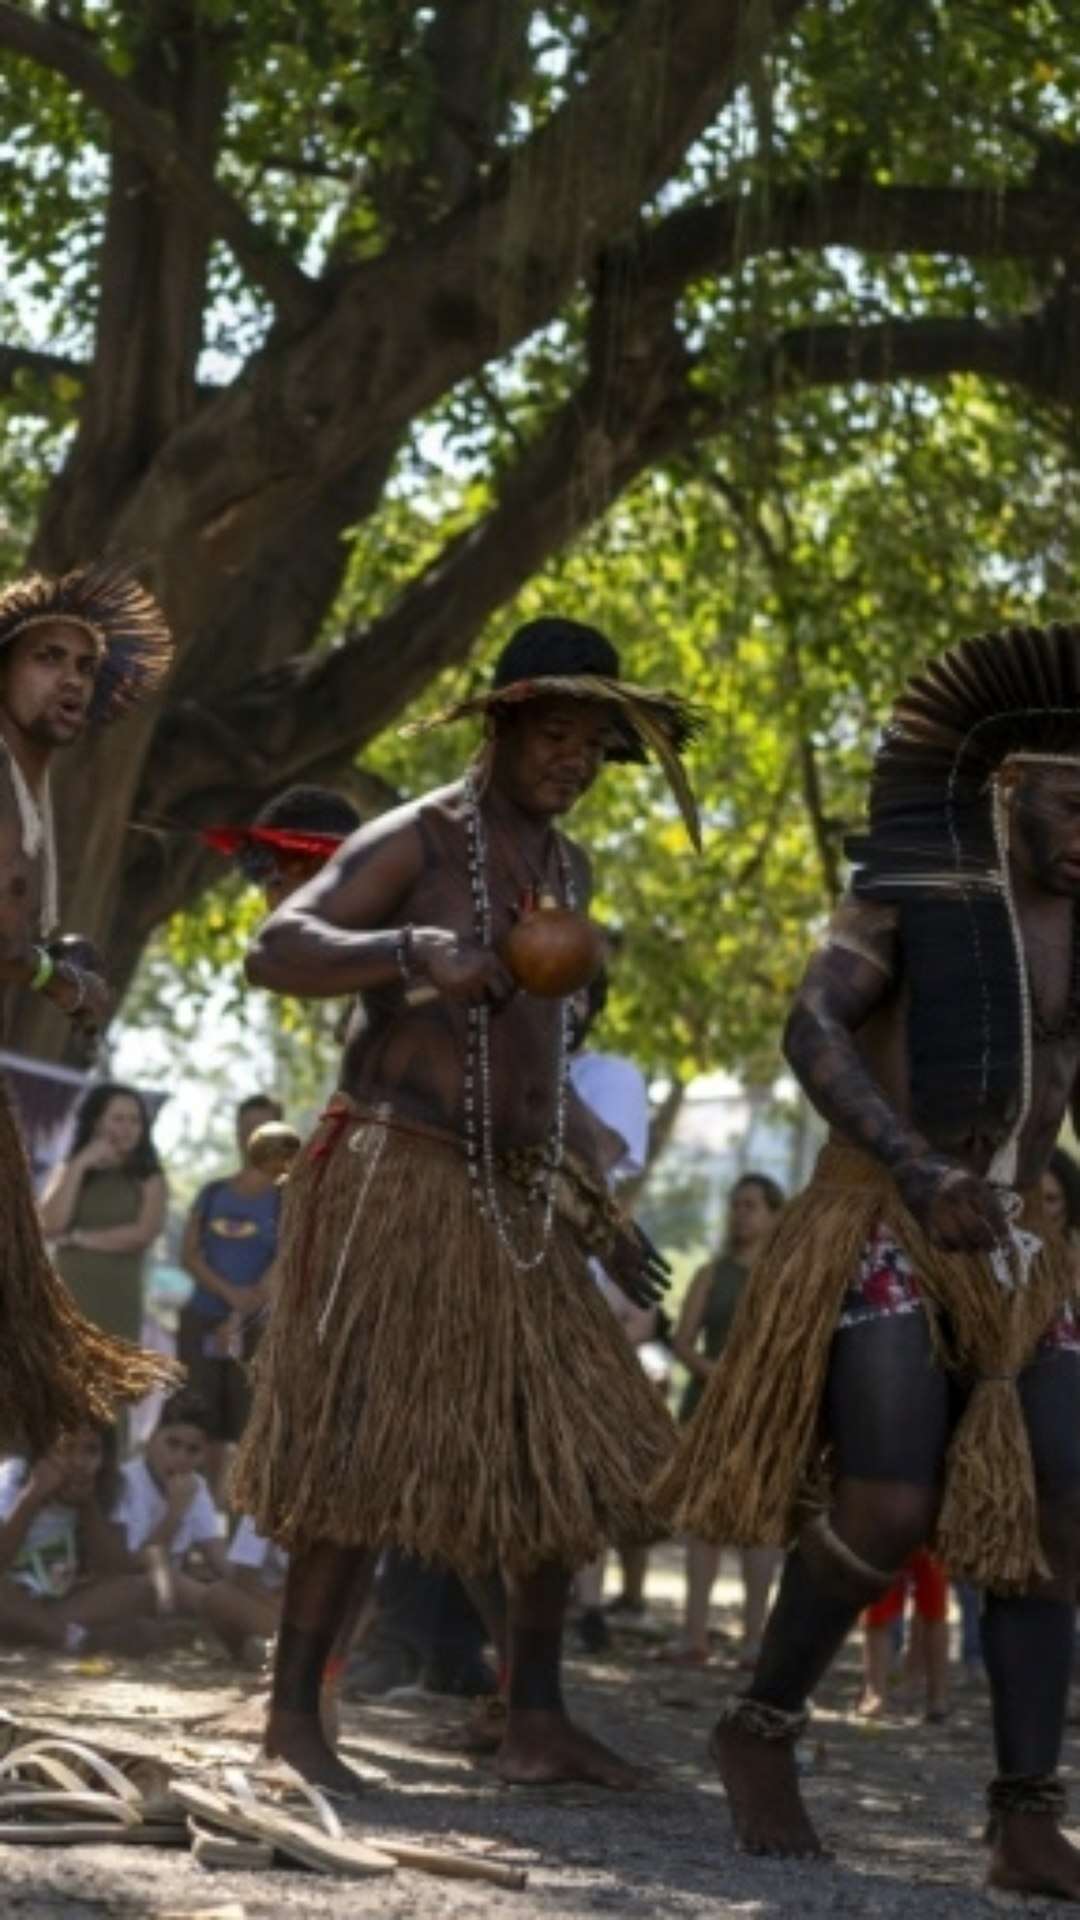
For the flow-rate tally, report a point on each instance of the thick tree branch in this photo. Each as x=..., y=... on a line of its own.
x=640, y=406
x=54, y=366
x=836, y=355
x=16, y=361
x=1019, y=223
x=403, y=329
x=475, y=51
x=72, y=55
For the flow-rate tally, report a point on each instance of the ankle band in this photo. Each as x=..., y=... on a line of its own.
x=758, y=1718
x=1026, y=1793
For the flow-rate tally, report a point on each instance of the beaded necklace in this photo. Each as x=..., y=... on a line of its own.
x=38, y=834
x=479, y=1129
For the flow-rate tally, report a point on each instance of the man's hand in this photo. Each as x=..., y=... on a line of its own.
x=956, y=1209
x=460, y=970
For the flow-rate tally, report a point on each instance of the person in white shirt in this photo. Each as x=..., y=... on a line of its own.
x=64, y=1578
x=164, y=1505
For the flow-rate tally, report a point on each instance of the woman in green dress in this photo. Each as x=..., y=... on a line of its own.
x=104, y=1206
x=702, y=1329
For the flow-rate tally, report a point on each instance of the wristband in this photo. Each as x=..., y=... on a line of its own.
x=43, y=972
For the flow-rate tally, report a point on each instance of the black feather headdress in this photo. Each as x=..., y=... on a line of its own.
x=934, y=848
x=129, y=626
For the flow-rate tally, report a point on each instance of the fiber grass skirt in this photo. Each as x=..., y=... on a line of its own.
x=57, y=1370
x=414, y=1389
x=753, y=1458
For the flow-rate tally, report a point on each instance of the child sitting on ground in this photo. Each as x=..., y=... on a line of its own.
x=164, y=1507
x=65, y=1579
x=245, y=1607
x=929, y=1646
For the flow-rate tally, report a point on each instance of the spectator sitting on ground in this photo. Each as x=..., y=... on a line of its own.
x=230, y=1241
x=164, y=1506
x=245, y=1607
x=65, y=1579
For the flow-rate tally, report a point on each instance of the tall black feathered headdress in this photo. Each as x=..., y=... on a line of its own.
x=936, y=848
x=565, y=659
x=126, y=621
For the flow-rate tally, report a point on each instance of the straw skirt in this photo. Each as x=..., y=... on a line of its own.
x=415, y=1388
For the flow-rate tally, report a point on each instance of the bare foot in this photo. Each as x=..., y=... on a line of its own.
x=298, y=1739
x=762, y=1786
x=542, y=1748
x=1032, y=1856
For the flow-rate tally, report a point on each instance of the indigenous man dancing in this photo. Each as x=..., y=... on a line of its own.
x=906, y=1347
x=439, y=1374
x=82, y=648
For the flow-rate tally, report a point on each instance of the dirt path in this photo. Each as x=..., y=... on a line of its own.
x=901, y=1803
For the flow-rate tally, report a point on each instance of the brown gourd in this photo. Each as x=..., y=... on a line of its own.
x=553, y=950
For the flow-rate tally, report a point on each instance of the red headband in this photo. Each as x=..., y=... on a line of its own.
x=229, y=840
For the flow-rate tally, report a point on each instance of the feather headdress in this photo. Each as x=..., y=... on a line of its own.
x=556, y=658
x=126, y=622
x=936, y=847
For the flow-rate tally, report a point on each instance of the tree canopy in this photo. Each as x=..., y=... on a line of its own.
x=749, y=331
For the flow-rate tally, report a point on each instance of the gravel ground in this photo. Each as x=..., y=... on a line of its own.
x=900, y=1802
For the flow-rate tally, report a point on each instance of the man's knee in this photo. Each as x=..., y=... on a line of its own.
x=884, y=1521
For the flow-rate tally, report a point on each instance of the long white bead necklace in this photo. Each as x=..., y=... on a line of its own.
x=479, y=1131
x=38, y=835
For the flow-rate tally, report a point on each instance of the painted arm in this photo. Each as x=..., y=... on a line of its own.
x=340, y=934
x=844, y=984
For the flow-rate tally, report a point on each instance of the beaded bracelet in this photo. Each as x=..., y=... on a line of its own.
x=43, y=972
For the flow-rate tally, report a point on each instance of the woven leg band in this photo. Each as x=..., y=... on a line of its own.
x=757, y=1718
x=1026, y=1793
